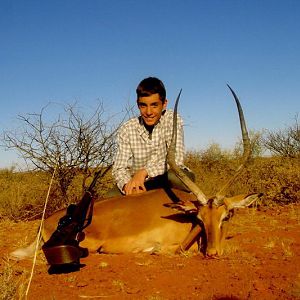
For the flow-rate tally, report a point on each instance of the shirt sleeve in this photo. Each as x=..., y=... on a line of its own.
x=120, y=170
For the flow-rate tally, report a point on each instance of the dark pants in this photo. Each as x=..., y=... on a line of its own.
x=168, y=179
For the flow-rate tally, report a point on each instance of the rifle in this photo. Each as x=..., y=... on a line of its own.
x=63, y=248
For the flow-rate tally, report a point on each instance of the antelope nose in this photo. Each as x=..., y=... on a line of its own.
x=212, y=252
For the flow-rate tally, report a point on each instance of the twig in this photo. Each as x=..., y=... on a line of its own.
x=38, y=238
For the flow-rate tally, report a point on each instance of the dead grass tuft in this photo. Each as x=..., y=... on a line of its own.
x=12, y=281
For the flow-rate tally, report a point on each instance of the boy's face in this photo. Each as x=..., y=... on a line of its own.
x=151, y=108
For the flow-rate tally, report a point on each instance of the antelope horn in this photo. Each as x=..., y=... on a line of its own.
x=246, y=152
x=172, y=163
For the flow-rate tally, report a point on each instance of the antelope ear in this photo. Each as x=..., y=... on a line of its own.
x=241, y=201
x=183, y=206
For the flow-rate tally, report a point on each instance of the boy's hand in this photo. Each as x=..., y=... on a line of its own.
x=136, y=184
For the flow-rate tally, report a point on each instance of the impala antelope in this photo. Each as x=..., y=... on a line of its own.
x=147, y=222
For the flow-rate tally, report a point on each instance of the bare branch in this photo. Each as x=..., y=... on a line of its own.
x=72, y=142
x=285, y=142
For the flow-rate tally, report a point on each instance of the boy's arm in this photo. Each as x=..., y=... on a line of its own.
x=136, y=183
x=120, y=170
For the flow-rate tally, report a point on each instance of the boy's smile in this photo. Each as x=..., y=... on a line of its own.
x=151, y=108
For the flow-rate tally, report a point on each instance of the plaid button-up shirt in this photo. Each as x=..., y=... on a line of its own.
x=138, y=149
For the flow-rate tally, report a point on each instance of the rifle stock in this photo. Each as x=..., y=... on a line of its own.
x=63, y=246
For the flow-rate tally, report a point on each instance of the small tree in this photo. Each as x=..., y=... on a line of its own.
x=73, y=143
x=285, y=142
x=257, y=147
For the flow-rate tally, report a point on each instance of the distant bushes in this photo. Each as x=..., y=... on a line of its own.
x=22, y=194
x=284, y=142
x=278, y=178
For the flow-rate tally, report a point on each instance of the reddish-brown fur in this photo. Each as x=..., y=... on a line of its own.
x=142, y=223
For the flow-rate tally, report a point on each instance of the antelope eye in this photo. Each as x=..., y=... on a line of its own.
x=227, y=217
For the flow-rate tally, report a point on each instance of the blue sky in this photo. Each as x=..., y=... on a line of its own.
x=67, y=51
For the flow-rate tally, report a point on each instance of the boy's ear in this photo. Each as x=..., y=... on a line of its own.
x=165, y=104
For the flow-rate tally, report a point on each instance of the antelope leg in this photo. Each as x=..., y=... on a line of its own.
x=189, y=240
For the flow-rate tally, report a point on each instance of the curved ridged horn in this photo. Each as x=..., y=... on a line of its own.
x=172, y=163
x=246, y=152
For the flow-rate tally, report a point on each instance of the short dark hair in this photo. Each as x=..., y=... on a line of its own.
x=150, y=86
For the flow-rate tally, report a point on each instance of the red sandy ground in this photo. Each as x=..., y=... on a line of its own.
x=261, y=261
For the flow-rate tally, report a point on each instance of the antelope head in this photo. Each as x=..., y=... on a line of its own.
x=212, y=213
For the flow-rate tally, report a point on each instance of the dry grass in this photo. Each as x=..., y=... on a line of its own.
x=294, y=214
x=119, y=284
x=230, y=248
x=22, y=195
x=103, y=265
x=295, y=289
x=277, y=178
x=12, y=280
x=155, y=297
x=286, y=248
